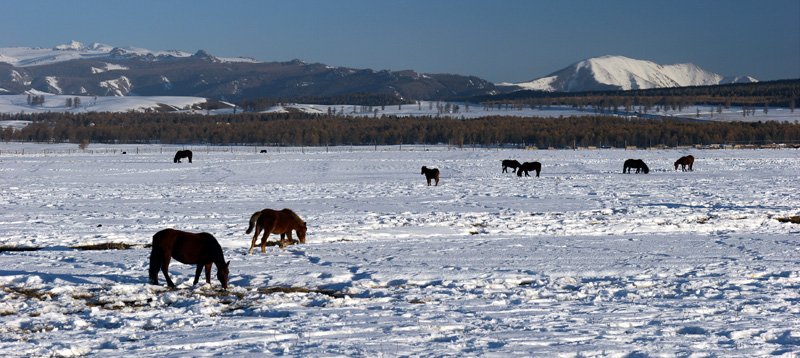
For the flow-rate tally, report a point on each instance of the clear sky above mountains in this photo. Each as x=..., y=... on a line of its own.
x=500, y=41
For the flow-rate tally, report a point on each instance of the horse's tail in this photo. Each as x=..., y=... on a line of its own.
x=253, y=220
x=156, y=256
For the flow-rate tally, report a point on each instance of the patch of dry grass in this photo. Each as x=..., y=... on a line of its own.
x=790, y=219
x=105, y=246
x=18, y=248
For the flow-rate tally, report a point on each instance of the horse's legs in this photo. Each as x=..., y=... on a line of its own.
x=264, y=240
x=197, y=273
x=255, y=237
x=437, y=181
x=429, y=181
x=165, y=268
x=537, y=172
x=283, y=240
x=290, y=241
x=208, y=273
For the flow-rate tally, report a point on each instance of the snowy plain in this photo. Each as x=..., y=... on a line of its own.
x=16, y=104
x=583, y=261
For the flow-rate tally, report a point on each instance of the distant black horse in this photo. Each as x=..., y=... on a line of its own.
x=683, y=162
x=528, y=166
x=637, y=164
x=263, y=151
x=182, y=154
x=431, y=174
x=510, y=163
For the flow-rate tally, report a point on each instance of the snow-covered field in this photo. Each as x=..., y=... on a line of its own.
x=583, y=261
x=15, y=104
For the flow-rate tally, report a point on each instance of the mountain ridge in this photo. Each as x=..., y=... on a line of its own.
x=104, y=70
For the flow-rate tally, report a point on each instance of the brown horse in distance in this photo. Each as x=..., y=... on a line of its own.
x=188, y=248
x=432, y=173
x=276, y=222
x=687, y=161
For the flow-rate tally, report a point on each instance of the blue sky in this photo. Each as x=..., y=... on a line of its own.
x=498, y=40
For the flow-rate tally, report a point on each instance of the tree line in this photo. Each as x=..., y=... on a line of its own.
x=360, y=98
x=300, y=129
x=783, y=93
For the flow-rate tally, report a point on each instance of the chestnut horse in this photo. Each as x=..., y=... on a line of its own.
x=276, y=222
x=432, y=173
x=684, y=162
x=637, y=164
x=510, y=163
x=188, y=248
x=528, y=166
x=182, y=154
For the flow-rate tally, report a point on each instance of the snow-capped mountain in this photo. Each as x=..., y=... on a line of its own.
x=36, y=56
x=102, y=70
x=623, y=73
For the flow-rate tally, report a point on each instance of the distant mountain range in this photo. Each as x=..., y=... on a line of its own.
x=623, y=73
x=102, y=70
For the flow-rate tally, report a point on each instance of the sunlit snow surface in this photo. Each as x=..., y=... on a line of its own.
x=582, y=261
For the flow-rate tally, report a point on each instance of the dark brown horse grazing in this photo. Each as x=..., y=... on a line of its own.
x=637, y=164
x=188, y=248
x=432, y=173
x=182, y=154
x=528, y=166
x=276, y=222
x=684, y=162
x=510, y=163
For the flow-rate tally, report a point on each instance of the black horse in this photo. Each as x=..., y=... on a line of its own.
x=637, y=164
x=182, y=154
x=510, y=163
x=529, y=166
x=431, y=173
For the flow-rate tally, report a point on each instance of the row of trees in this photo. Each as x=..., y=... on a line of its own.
x=37, y=100
x=316, y=130
x=784, y=93
x=73, y=102
x=361, y=99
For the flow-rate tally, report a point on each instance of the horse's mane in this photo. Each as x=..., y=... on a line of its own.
x=211, y=239
x=294, y=216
